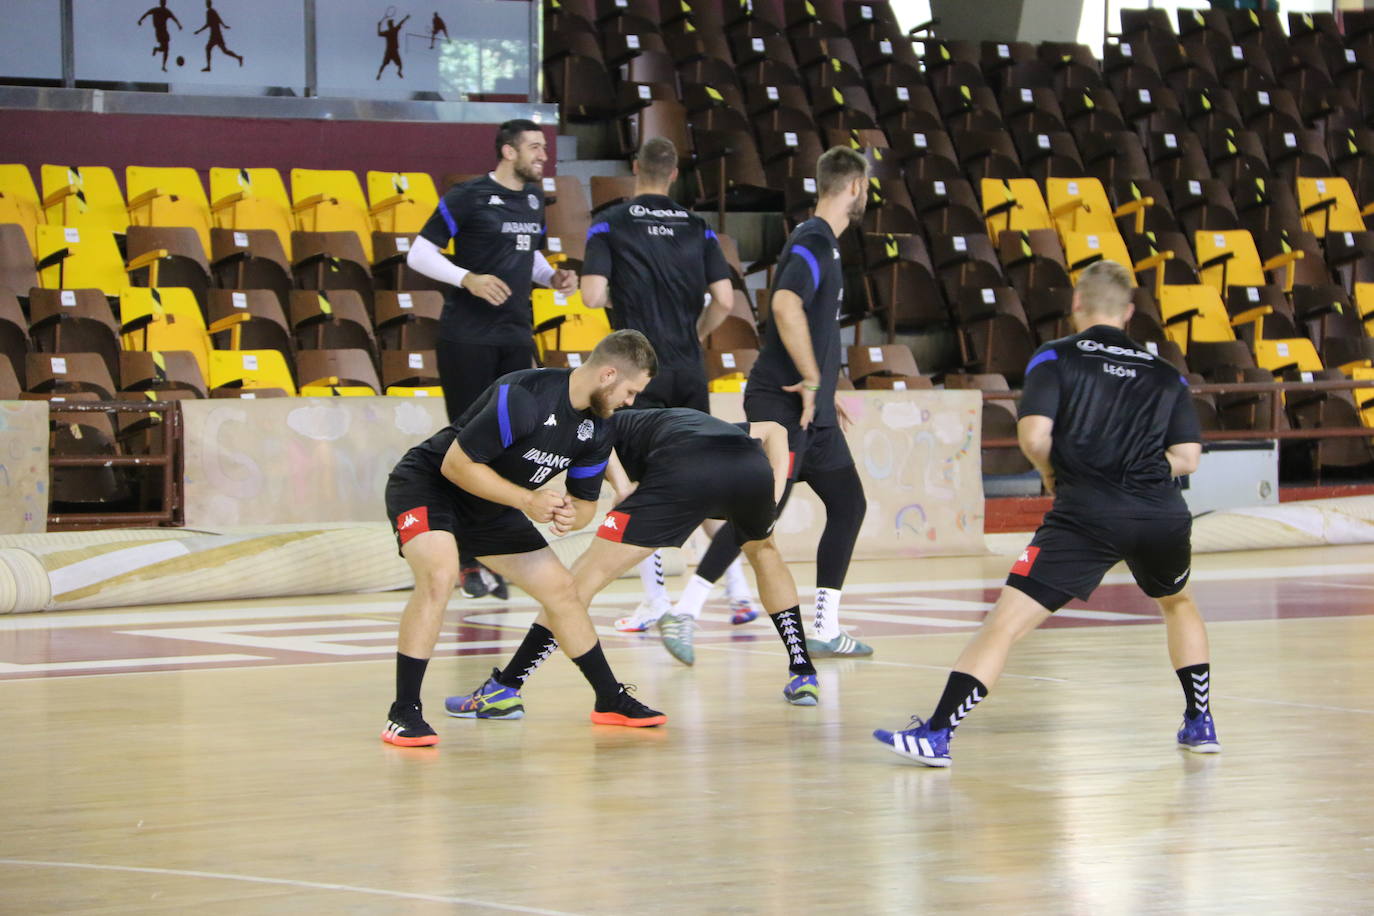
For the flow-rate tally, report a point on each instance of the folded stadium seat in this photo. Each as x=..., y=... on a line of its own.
x=1351, y=255
x=17, y=272
x=400, y=201
x=1329, y=409
x=1267, y=110
x=1309, y=270
x=332, y=260
x=1046, y=154
x=1204, y=405
x=408, y=320
x=1194, y=313
x=161, y=371
x=632, y=98
x=581, y=85
x=729, y=174
x=1264, y=206
x=1326, y=311
x=998, y=421
x=939, y=56
x=803, y=18
x=563, y=359
x=1112, y=156
x=563, y=322
x=1233, y=154
x=994, y=334
x=410, y=371
x=1090, y=111
x=1019, y=75
x=1152, y=197
x=905, y=109
x=19, y=203
x=1176, y=155
x=67, y=374
x=994, y=57
x=965, y=261
x=168, y=197
x=248, y=319
x=86, y=197
x=251, y=199
x=834, y=56
x=1032, y=259
x=1049, y=312
x=1330, y=109
x=873, y=21
x=1084, y=248
x=779, y=107
x=890, y=208
x=968, y=107
x=1278, y=320
x=10, y=387
x=747, y=52
x=1013, y=205
x=326, y=201
x=330, y=320
x=843, y=107
x=1080, y=205
x=788, y=154
x=902, y=284
x=1351, y=153
x=881, y=366
x=642, y=57
x=565, y=192
x=1203, y=204
x=987, y=154
x=718, y=106
x=389, y=267
x=565, y=236
x=1328, y=205
x=1293, y=153
x=181, y=260
x=946, y=206
x=1130, y=63
x=70, y=258
x=249, y=259
x=888, y=61
x=1209, y=359
x=661, y=118
x=738, y=330
x=14, y=331
x=728, y=363
x=926, y=156
x=337, y=373
x=74, y=321
x=249, y=373
x=1231, y=258
x=165, y=318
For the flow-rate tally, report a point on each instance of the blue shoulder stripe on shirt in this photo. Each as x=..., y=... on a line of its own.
x=597, y=229
x=590, y=471
x=810, y=259
x=448, y=217
x=1040, y=358
x=1184, y=380
x=503, y=415
x=711, y=234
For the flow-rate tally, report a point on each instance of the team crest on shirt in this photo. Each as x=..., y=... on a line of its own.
x=585, y=430
x=534, y=202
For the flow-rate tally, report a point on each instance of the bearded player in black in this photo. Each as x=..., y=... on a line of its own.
x=677, y=467
x=496, y=223
x=1110, y=427
x=476, y=484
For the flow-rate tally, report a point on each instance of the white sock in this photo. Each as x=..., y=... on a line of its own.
x=651, y=576
x=693, y=598
x=827, y=614
x=736, y=585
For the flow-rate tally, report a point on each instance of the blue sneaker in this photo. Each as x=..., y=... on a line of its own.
x=492, y=700
x=1199, y=735
x=919, y=742
x=802, y=690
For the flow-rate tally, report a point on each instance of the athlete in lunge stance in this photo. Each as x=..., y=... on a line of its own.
x=1109, y=427
x=793, y=383
x=475, y=484
x=652, y=261
x=688, y=466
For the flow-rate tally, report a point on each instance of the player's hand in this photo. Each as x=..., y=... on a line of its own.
x=846, y=421
x=543, y=505
x=564, y=517
x=487, y=286
x=807, y=390
x=565, y=281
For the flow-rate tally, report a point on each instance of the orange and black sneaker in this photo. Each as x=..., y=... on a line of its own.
x=406, y=727
x=626, y=710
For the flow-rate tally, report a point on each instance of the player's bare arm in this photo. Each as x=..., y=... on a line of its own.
x=480, y=480
x=774, y=439
x=594, y=288
x=1183, y=457
x=1035, y=434
x=790, y=314
x=722, y=299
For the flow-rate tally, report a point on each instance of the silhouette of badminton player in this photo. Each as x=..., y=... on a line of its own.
x=216, y=38
x=160, y=15
x=392, y=34
x=435, y=27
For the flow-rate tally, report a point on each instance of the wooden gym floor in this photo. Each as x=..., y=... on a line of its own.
x=225, y=758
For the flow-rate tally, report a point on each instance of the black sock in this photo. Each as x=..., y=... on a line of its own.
x=962, y=693
x=789, y=627
x=537, y=646
x=597, y=671
x=1197, y=687
x=410, y=673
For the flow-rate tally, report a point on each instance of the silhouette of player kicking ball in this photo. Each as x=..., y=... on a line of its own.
x=160, y=15
x=436, y=26
x=392, y=34
x=216, y=39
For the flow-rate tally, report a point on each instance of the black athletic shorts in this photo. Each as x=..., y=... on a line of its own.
x=466, y=370
x=418, y=501
x=816, y=448
x=734, y=483
x=677, y=388
x=1070, y=554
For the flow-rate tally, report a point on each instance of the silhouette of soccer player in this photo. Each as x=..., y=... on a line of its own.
x=216, y=38
x=393, y=45
x=435, y=27
x=160, y=15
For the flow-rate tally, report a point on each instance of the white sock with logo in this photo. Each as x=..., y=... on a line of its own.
x=736, y=585
x=693, y=598
x=827, y=614
x=651, y=577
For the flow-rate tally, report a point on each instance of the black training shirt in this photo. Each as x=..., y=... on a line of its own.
x=647, y=439
x=525, y=428
x=1116, y=407
x=495, y=231
x=810, y=267
x=659, y=259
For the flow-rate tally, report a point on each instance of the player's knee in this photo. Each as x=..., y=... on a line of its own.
x=560, y=595
x=438, y=580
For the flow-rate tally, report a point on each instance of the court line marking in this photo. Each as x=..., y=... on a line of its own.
x=287, y=882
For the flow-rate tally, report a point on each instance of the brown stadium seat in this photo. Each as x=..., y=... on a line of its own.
x=74, y=321
x=17, y=272
x=721, y=363
x=184, y=263
x=409, y=368
x=902, y=284
x=335, y=372
x=408, y=321
x=248, y=319
x=882, y=366
x=68, y=373
x=738, y=331
x=161, y=372
x=389, y=268
x=250, y=259
x=10, y=387
x=331, y=320
x=14, y=332
x=999, y=422
x=331, y=260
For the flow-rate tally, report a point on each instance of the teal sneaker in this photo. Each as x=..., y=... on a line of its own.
x=492, y=700
x=842, y=646
x=802, y=690
x=676, y=632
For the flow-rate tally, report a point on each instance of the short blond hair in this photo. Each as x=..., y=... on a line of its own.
x=1104, y=287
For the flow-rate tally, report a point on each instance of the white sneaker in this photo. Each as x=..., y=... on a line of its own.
x=644, y=616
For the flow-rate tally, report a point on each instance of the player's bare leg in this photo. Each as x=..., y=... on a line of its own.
x=433, y=560
x=1189, y=653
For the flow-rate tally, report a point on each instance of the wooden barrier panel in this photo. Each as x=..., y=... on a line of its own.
x=23, y=466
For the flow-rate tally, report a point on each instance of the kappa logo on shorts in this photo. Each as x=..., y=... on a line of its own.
x=412, y=522
x=1023, y=564
x=613, y=528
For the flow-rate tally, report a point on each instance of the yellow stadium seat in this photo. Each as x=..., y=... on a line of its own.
x=1364, y=304
x=1084, y=248
x=84, y=197
x=1013, y=204
x=19, y=203
x=565, y=323
x=732, y=383
x=325, y=200
x=1364, y=397
x=166, y=318
x=250, y=369
x=251, y=199
x=400, y=201
x=1328, y=205
x=1080, y=205
x=1280, y=355
x=1231, y=259
x=168, y=197
x=85, y=258
x=405, y=391
x=1194, y=312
